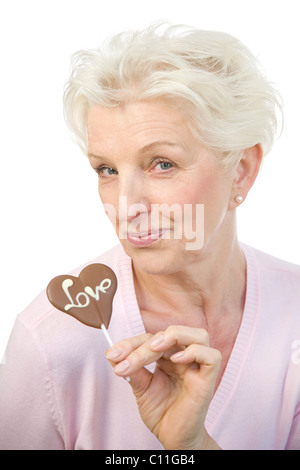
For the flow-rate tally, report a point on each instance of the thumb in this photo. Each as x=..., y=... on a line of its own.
x=140, y=381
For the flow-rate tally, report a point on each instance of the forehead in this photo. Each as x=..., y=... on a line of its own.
x=138, y=124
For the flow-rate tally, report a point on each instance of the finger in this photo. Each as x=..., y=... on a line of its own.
x=180, y=336
x=120, y=350
x=171, y=369
x=208, y=358
x=161, y=344
x=153, y=348
x=203, y=364
x=139, y=379
x=143, y=379
x=137, y=359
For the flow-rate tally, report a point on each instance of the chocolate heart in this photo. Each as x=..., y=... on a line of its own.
x=88, y=297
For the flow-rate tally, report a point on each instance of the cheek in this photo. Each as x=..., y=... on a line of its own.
x=210, y=192
x=108, y=193
x=193, y=191
x=109, y=200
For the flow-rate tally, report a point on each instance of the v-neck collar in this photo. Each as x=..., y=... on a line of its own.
x=242, y=346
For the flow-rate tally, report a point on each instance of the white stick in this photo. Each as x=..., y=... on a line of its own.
x=106, y=334
x=110, y=342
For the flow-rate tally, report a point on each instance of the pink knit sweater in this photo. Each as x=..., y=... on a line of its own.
x=57, y=390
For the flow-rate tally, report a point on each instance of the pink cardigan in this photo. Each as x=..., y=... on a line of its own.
x=57, y=390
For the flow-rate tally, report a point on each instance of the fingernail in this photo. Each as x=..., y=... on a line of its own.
x=157, y=341
x=177, y=355
x=113, y=353
x=121, y=367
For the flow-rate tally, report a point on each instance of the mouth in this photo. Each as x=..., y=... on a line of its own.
x=141, y=239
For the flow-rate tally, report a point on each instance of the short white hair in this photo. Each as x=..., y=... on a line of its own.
x=210, y=76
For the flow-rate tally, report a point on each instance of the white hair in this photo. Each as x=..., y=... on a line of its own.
x=210, y=76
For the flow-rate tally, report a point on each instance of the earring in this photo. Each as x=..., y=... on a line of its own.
x=239, y=199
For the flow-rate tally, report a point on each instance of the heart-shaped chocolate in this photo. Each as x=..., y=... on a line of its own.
x=88, y=297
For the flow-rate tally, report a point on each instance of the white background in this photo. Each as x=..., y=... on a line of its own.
x=51, y=218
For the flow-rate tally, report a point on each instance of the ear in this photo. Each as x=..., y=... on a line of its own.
x=246, y=172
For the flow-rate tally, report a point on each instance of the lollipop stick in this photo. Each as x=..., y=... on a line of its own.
x=106, y=334
x=109, y=340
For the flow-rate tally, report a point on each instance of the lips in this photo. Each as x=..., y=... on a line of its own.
x=145, y=238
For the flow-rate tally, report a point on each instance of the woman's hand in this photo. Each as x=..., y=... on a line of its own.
x=173, y=401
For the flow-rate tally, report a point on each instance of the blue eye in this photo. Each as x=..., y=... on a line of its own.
x=165, y=165
x=106, y=171
x=111, y=171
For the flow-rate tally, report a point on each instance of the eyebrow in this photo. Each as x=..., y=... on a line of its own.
x=146, y=148
x=159, y=143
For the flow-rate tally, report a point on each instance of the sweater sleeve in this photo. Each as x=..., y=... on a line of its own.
x=28, y=413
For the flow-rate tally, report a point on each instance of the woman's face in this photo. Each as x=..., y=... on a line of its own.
x=169, y=200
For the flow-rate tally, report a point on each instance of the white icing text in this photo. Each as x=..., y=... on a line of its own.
x=82, y=299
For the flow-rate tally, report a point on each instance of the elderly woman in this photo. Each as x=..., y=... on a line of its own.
x=175, y=122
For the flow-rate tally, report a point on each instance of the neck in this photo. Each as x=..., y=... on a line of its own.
x=199, y=294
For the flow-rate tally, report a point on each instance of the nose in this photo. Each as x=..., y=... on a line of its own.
x=133, y=197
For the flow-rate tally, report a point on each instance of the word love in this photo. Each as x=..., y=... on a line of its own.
x=88, y=291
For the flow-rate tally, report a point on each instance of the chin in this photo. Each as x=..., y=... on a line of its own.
x=161, y=258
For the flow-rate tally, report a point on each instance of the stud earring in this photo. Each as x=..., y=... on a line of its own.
x=239, y=199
